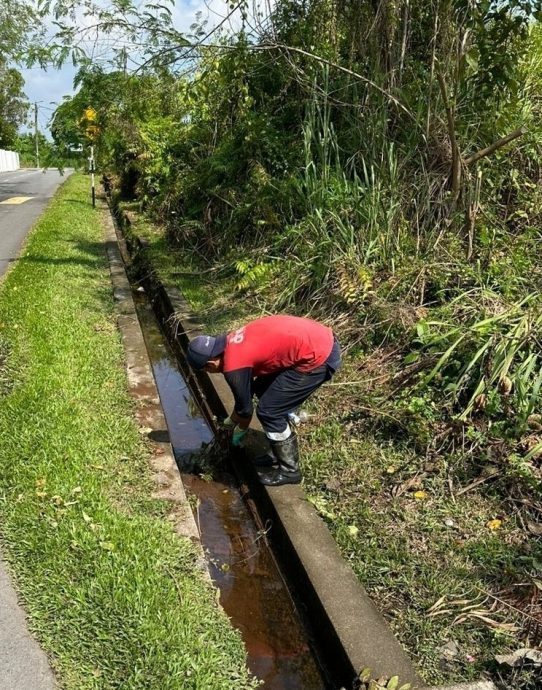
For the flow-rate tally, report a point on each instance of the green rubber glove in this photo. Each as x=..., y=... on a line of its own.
x=238, y=436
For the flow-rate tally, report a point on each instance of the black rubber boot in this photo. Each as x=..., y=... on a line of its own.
x=266, y=459
x=287, y=472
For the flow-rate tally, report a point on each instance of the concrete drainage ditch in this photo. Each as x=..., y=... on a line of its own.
x=322, y=629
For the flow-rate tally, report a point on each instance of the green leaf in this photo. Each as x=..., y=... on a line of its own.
x=411, y=357
x=422, y=329
x=365, y=675
x=534, y=451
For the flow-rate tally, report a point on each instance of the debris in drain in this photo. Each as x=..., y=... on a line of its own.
x=207, y=457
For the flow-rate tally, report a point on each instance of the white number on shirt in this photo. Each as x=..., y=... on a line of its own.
x=238, y=336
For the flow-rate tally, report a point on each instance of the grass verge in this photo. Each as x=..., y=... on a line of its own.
x=442, y=547
x=113, y=595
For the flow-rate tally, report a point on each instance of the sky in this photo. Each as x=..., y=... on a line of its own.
x=47, y=88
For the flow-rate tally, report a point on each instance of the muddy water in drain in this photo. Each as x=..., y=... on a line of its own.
x=252, y=591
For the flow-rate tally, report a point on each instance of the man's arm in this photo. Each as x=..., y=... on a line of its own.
x=240, y=382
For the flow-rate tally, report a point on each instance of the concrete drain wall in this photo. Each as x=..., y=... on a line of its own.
x=142, y=387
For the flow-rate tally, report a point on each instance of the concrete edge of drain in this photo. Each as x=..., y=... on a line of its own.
x=365, y=637
x=142, y=387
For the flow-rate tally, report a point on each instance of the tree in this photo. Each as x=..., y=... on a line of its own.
x=19, y=25
x=25, y=145
x=13, y=104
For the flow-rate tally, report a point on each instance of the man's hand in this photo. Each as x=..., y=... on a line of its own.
x=235, y=420
x=238, y=436
x=238, y=433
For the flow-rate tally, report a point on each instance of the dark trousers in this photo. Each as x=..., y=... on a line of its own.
x=282, y=392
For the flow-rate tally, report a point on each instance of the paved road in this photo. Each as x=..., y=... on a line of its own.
x=23, y=196
x=23, y=665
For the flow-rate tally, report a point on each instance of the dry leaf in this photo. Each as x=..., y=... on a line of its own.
x=415, y=482
x=509, y=627
x=534, y=527
x=505, y=386
x=518, y=657
x=534, y=421
x=480, y=402
x=440, y=612
x=437, y=604
x=494, y=524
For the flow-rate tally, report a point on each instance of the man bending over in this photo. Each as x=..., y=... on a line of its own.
x=281, y=360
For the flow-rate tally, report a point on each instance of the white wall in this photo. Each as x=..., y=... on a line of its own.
x=9, y=160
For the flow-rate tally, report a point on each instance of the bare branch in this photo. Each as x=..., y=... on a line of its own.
x=456, y=158
x=497, y=145
x=288, y=49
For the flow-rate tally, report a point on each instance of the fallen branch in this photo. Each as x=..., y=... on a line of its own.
x=359, y=382
x=477, y=482
x=336, y=66
x=380, y=413
x=497, y=145
x=190, y=47
x=510, y=606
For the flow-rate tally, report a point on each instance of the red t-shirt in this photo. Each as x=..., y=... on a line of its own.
x=269, y=345
x=275, y=343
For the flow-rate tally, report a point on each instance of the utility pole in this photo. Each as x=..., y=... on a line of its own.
x=36, y=133
x=91, y=167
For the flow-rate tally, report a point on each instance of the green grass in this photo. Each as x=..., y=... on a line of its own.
x=362, y=470
x=413, y=550
x=113, y=595
x=208, y=288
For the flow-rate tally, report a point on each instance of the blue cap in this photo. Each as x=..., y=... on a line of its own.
x=203, y=348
